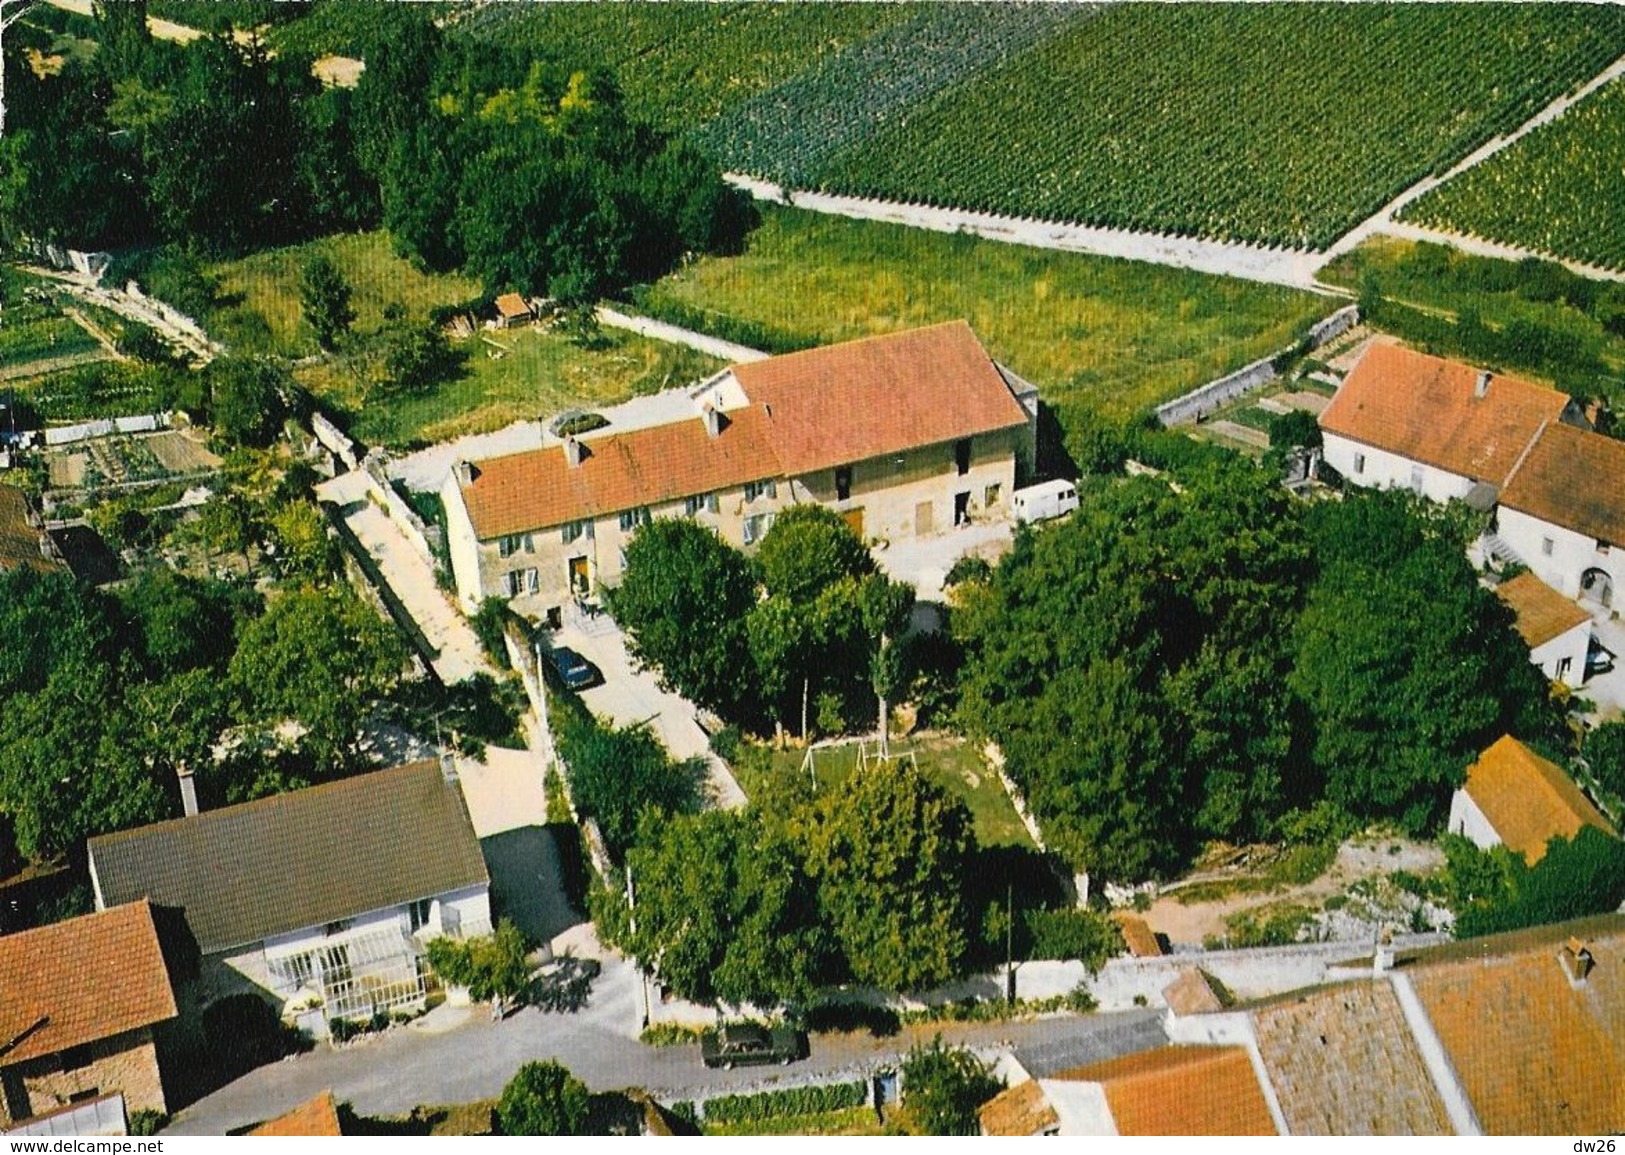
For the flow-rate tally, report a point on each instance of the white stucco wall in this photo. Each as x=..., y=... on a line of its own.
x=461, y=544
x=1468, y=820
x=462, y=913
x=1384, y=470
x=1570, y=556
x=1570, y=647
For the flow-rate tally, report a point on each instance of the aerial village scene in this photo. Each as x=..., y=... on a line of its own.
x=811, y=569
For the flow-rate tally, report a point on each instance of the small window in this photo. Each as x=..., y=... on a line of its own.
x=693, y=505
x=756, y=526
x=574, y=529
x=1564, y=665
x=338, y=927
x=755, y=489
x=506, y=546
x=990, y=496
x=1359, y=463
x=1603, y=546
x=843, y=482
x=711, y=503
x=532, y=581
x=962, y=456
x=633, y=518
x=515, y=542
x=1546, y=545
x=417, y=914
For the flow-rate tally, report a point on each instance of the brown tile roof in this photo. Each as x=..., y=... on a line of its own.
x=512, y=305
x=1193, y=993
x=1574, y=479
x=1020, y=1110
x=1182, y=1091
x=19, y=541
x=1137, y=935
x=1528, y=800
x=320, y=1116
x=244, y=873
x=539, y=489
x=1535, y=1054
x=1423, y=408
x=81, y=980
x=880, y=395
x=1343, y=1061
x=1542, y=612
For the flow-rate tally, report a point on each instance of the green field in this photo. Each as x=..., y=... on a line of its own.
x=543, y=374
x=682, y=63
x=259, y=309
x=1559, y=190
x=1114, y=336
x=954, y=766
x=33, y=326
x=1279, y=124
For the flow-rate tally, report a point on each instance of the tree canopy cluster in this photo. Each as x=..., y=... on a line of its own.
x=108, y=696
x=1178, y=664
x=526, y=173
x=809, y=623
x=1496, y=890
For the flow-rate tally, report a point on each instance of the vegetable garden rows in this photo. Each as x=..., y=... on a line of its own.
x=1559, y=190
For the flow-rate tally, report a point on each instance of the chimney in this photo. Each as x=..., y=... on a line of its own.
x=1382, y=961
x=1483, y=385
x=465, y=472
x=188, y=791
x=1576, y=960
x=713, y=421
x=574, y=452
x=448, y=765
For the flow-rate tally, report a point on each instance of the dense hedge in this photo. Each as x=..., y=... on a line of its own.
x=790, y=1101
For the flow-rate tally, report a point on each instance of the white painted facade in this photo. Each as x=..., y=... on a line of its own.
x=1563, y=658
x=1373, y=468
x=1561, y=557
x=1469, y=821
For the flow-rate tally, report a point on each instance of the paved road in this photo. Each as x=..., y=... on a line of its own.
x=392, y=1073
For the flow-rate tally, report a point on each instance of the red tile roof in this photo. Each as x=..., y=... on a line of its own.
x=512, y=305
x=811, y=410
x=1542, y=612
x=1528, y=800
x=1182, y=1090
x=1535, y=1053
x=539, y=488
x=880, y=395
x=78, y=981
x=1137, y=935
x=319, y=1116
x=1574, y=479
x=1020, y=1110
x=1424, y=408
x=19, y=541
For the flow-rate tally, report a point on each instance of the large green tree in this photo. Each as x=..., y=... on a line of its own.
x=618, y=774
x=683, y=600
x=889, y=852
x=324, y=300
x=944, y=1086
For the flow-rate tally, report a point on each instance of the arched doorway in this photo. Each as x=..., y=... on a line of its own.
x=1597, y=585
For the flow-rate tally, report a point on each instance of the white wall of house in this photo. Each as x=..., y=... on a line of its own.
x=1559, y=556
x=462, y=913
x=1379, y=469
x=1563, y=659
x=1468, y=820
x=462, y=545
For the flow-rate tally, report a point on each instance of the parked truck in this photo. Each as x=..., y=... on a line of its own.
x=1045, y=500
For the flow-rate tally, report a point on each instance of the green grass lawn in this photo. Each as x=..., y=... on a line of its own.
x=1114, y=336
x=259, y=312
x=36, y=329
x=543, y=373
x=948, y=762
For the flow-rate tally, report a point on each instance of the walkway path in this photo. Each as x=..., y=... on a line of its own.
x=194, y=341
x=410, y=577
x=672, y=334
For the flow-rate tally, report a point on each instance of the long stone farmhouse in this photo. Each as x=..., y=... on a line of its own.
x=1446, y=430
x=904, y=435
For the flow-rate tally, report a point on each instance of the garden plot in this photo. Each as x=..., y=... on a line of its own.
x=128, y=461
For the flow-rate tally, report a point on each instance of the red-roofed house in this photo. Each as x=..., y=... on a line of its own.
x=1563, y=511
x=1556, y=630
x=1405, y=420
x=905, y=435
x=1515, y=797
x=83, y=1005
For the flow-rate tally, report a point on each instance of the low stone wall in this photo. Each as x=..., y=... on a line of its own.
x=332, y=438
x=395, y=507
x=1201, y=401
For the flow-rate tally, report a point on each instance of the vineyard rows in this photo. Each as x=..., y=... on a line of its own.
x=1276, y=124
x=682, y=63
x=788, y=133
x=1559, y=190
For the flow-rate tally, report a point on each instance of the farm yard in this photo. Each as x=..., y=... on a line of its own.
x=1114, y=336
x=1282, y=125
x=1560, y=190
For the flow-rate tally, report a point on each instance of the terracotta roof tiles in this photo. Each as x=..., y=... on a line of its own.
x=1574, y=479
x=1424, y=408
x=1020, y=1110
x=1182, y=1090
x=1528, y=800
x=319, y=1116
x=78, y=981
x=1542, y=612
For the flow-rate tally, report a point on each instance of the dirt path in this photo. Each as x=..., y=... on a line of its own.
x=194, y=341
x=1193, y=922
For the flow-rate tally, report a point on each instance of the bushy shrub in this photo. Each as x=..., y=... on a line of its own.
x=1072, y=934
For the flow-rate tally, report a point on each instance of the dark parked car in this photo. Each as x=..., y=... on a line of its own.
x=573, y=670
x=746, y=1044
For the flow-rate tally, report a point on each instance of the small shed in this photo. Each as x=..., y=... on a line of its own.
x=512, y=309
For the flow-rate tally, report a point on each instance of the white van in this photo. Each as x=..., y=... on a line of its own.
x=1044, y=500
